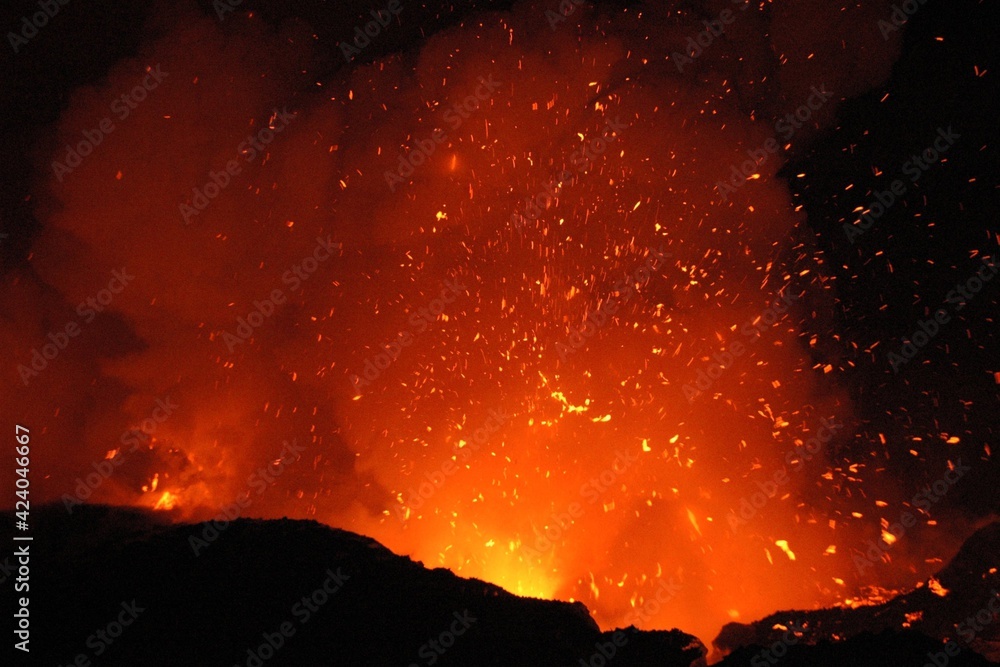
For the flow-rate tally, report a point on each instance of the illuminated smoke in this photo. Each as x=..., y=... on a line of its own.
x=494, y=347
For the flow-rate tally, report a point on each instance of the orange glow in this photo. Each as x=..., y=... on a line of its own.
x=603, y=299
x=166, y=502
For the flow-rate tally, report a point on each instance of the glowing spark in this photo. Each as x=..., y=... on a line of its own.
x=694, y=521
x=936, y=588
x=783, y=545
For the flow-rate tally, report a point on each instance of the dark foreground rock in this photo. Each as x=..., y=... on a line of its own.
x=886, y=649
x=959, y=609
x=113, y=586
x=286, y=593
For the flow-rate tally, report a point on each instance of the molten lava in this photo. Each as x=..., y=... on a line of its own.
x=548, y=352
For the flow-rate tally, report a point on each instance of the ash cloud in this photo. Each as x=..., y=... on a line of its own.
x=323, y=177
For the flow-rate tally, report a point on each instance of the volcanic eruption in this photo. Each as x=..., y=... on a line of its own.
x=527, y=297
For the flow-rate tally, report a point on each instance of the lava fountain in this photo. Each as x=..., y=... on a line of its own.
x=499, y=301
